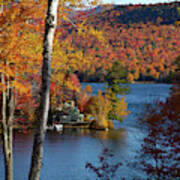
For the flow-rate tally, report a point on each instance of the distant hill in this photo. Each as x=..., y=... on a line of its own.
x=145, y=39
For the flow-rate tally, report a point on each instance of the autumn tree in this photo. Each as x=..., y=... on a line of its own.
x=116, y=79
x=50, y=27
x=16, y=63
x=7, y=105
x=160, y=151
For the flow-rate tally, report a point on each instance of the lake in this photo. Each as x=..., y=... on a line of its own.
x=66, y=153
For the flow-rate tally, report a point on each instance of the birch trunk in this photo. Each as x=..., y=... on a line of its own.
x=7, y=130
x=8, y=107
x=37, y=154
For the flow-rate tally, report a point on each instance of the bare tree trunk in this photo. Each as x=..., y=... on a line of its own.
x=50, y=26
x=7, y=129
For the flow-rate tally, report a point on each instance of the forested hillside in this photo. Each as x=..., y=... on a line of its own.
x=130, y=14
x=145, y=39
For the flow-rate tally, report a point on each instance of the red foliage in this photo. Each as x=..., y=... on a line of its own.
x=160, y=150
x=74, y=80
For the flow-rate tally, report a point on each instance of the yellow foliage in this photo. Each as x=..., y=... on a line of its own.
x=98, y=34
x=130, y=77
x=20, y=87
x=2, y=87
x=136, y=75
x=118, y=106
x=99, y=106
x=122, y=108
x=72, y=87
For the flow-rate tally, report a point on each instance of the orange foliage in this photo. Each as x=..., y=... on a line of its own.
x=130, y=77
x=20, y=53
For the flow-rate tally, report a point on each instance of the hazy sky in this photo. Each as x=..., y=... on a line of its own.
x=135, y=1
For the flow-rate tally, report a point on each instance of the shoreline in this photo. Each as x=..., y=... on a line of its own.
x=134, y=82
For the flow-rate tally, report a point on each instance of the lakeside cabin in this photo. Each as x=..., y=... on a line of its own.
x=66, y=116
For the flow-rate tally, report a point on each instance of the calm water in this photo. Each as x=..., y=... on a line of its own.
x=66, y=153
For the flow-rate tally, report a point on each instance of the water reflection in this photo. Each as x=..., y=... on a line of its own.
x=113, y=135
x=118, y=135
